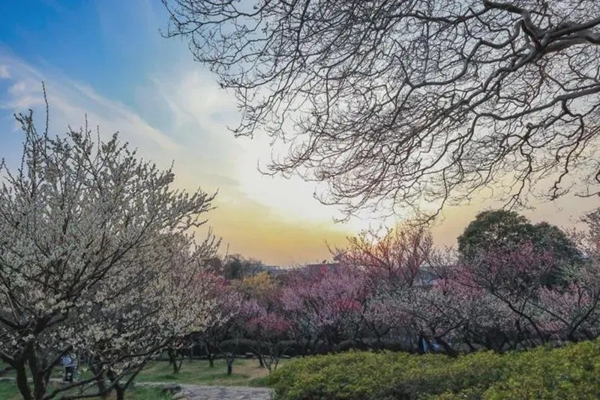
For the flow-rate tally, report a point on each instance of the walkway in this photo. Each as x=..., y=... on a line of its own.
x=193, y=392
x=196, y=392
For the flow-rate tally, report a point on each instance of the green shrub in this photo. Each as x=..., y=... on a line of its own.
x=344, y=376
x=567, y=373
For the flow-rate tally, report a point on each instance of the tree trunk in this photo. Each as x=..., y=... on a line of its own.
x=35, y=368
x=469, y=344
x=449, y=350
x=101, y=384
x=100, y=381
x=229, y=366
x=120, y=392
x=209, y=355
x=22, y=383
x=173, y=360
x=39, y=386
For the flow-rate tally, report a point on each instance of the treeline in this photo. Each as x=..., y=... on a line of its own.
x=510, y=285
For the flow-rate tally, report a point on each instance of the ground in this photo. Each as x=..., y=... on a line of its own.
x=245, y=373
x=224, y=393
x=9, y=391
x=199, y=381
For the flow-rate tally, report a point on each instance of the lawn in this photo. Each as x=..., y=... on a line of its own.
x=2, y=366
x=9, y=391
x=245, y=373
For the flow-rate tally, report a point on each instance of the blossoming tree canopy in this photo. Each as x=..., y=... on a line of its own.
x=322, y=303
x=88, y=233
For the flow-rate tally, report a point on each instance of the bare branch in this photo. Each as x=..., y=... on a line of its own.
x=397, y=103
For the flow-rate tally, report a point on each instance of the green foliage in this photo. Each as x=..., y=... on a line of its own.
x=506, y=230
x=491, y=229
x=237, y=267
x=567, y=373
x=147, y=393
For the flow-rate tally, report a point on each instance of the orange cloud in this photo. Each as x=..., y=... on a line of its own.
x=256, y=231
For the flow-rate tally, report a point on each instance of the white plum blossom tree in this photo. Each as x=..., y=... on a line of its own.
x=96, y=258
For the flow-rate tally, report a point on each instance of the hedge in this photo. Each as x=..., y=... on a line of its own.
x=571, y=372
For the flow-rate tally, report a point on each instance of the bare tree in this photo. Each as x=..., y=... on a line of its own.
x=393, y=260
x=392, y=102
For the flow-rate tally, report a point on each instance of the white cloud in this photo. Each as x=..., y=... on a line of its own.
x=180, y=114
x=4, y=73
x=194, y=100
x=196, y=138
x=189, y=115
x=71, y=102
x=176, y=113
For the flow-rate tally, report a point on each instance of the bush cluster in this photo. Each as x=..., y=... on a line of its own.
x=571, y=372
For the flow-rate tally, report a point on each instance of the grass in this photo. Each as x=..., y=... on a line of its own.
x=9, y=391
x=246, y=372
x=198, y=372
x=2, y=365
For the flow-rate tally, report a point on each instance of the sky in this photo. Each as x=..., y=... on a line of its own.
x=105, y=61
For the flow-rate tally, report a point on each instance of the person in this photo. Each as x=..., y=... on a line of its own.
x=69, y=364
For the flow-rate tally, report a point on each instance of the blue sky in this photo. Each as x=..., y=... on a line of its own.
x=106, y=59
x=103, y=43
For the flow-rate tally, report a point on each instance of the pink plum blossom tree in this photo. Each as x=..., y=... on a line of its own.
x=268, y=327
x=324, y=304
